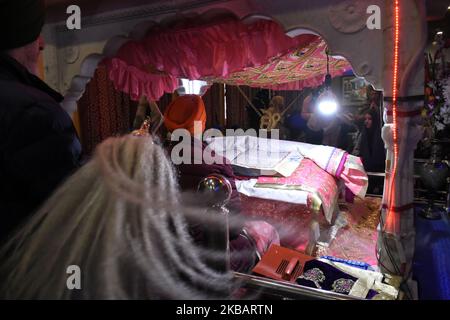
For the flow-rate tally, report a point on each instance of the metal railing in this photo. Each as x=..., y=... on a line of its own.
x=286, y=290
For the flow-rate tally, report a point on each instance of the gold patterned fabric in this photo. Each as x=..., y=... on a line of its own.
x=320, y=185
x=298, y=69
x=357, y=241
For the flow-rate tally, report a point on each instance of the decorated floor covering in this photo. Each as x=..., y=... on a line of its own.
x=357, y=240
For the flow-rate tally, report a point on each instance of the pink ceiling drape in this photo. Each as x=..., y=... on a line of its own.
x=153, y=65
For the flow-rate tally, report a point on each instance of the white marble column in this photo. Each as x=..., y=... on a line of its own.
x=396, y=247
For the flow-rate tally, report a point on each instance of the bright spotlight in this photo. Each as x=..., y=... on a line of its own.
x=327, y=103
x=193, y=86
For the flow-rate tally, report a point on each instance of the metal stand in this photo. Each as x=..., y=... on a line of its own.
x=218, y=238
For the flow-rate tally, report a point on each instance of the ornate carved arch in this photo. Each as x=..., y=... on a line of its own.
x=341, y=23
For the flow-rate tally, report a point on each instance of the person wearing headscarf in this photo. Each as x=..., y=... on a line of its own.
x=39, y=146
x=371, y=148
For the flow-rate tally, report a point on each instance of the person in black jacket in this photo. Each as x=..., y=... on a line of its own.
x=39, y=146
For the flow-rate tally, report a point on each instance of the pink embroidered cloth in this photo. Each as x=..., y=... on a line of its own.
x=347, y=168
x=303, y=67
x=263, y=234
x=354, y=176
x=357, y=241
x=322, y=187
x=292, y=220
x=219, y=50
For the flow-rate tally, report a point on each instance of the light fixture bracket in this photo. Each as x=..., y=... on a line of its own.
x=328, y=81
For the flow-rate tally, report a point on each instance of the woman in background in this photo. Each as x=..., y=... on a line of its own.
x=371, y=149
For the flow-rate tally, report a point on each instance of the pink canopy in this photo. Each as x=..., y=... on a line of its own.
x=226, y=51
x=300, y=68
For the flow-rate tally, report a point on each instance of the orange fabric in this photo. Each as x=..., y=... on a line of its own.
x=183, y=111
x=76, y=123
x=41, y=72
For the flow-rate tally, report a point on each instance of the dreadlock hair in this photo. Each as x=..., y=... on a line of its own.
x=118, y=219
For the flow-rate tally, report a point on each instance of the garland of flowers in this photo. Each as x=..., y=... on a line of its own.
x=437, y=109
x=437, y=94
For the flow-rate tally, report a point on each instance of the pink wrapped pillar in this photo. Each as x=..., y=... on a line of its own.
x=396, y=230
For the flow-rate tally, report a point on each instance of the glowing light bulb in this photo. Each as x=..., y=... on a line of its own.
x=327, y=103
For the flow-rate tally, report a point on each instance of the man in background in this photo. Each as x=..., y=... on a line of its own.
x=39, y=147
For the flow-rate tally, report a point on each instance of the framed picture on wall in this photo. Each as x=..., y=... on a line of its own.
x=354, y=91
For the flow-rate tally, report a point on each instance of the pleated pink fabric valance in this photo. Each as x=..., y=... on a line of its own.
x=154, y=65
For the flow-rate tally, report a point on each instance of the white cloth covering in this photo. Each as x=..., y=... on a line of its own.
x=265, y=151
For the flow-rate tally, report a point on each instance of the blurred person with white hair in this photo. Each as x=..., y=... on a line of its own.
x=120, y=220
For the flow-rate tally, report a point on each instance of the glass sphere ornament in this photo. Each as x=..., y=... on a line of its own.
x=215, y=190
